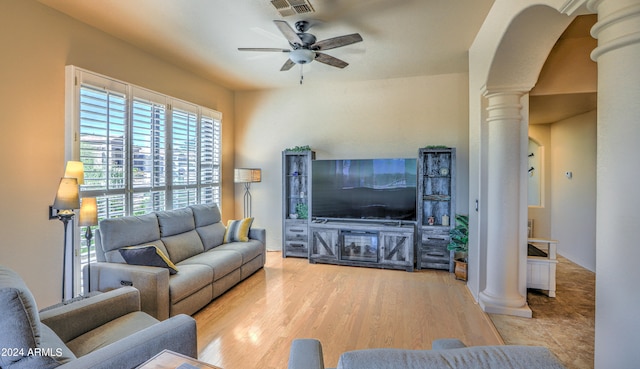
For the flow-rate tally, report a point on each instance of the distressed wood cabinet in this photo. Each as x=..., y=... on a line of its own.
x=435, y=207
x=367, y=244
x=296, y=202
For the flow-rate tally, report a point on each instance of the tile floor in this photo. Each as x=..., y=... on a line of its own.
x=565, y=324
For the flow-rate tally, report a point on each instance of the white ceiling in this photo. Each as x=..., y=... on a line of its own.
x=402, y=38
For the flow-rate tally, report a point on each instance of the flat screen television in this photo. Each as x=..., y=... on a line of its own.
x=375, y=189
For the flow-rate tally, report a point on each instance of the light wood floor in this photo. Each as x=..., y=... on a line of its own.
x=346, y=308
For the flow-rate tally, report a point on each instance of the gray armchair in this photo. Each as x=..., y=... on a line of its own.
x=103, y=331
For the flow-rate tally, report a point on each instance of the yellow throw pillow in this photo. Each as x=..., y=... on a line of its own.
x=238, y=230
x=147, y=255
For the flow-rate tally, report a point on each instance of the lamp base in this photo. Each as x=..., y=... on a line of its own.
x=88, y=236
x=65, y=216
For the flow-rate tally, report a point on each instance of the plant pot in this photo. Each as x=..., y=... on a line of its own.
x=460, y=269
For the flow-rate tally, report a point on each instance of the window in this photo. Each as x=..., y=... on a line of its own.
x=142, y=151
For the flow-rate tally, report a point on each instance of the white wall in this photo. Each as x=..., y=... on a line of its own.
x=375, y=119
x=541, y=215
x=37, y=43
x=568, y=213
x=573, y=213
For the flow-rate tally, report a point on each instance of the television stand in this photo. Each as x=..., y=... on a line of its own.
x=375, y=244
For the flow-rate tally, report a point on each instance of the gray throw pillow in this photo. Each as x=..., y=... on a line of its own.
x=147, y=255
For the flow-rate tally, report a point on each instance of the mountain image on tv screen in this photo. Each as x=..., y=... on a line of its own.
x=364, y=189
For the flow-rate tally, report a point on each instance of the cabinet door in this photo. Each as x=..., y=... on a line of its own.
x=433, y=248
x=324, y=243
x=296, y=191
x=396, y=248
x=296, y=238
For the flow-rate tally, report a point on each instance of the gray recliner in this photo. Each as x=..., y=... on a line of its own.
x=103, y=331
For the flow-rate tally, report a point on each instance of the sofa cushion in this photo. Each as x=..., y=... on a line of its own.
x=192, y=278
x=20, y=325
x=110, y=332
x=204, y=215
x=183, y=245
x=221, y=262
x=212, y=235
x=174, y=222
x=114, y=256
x=147, y=255
x=238, y=230
x=127, y=231
x=249, y=250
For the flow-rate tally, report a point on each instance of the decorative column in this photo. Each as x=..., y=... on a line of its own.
x=618, y=198
x=502, y=291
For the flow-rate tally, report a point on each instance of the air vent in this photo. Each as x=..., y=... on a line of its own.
x=292, y=7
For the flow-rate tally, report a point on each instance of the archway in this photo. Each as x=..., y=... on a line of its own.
x=505, y=61
x=617, y=55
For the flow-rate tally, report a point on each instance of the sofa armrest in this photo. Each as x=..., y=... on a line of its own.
x=306, y=354
x=72, y=320
x=152, y=282
x=177, y=334
x=258, y=234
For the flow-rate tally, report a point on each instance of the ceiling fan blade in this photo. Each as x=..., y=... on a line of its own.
x=273, y=49
x=288, y=32
x=332, y=43
x=287, y=65
x=330, y=60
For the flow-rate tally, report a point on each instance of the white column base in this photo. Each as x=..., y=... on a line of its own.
x=514, y=307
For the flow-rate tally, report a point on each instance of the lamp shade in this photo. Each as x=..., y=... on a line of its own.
x=247, y=175
x=88, y=212
x=75, y=169
x=67, y=197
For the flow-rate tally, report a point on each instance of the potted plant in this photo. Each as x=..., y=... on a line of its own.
x=459, y=244
x=302, y=210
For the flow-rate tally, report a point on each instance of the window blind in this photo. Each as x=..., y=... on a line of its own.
x=142, y=151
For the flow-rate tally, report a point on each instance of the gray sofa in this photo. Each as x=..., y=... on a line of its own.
x=105, y=331
x=192, y=238
x=446, y=354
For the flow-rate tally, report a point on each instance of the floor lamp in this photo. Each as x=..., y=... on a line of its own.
x=88, y=217
x=67, y=199
x=247, y=176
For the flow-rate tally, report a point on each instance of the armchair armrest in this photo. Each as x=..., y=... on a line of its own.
x=152, y=282
x=177, y=334
x=306, y=354
x=72, y=320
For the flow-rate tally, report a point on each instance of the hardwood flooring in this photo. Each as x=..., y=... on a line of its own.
x=346, y=308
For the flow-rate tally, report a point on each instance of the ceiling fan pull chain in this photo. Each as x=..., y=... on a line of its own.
x=301, y=73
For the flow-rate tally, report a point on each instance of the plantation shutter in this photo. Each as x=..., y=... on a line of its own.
x=148, y=152
x=102, y=111
x=142, y=151
x=184, y=146
x=210, y=135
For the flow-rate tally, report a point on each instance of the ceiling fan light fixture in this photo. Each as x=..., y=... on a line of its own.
x=302, y=56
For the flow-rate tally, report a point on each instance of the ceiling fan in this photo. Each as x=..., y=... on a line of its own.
x=305, y=48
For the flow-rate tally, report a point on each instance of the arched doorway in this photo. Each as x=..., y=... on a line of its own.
x=497, y=66
x=504, y=64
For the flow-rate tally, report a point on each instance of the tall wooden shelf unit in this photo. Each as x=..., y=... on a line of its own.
x=436, y=205
x=296, y=197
